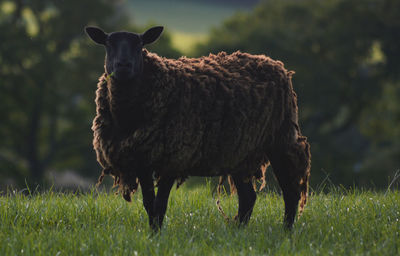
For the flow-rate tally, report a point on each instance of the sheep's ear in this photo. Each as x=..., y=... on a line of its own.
x=96, y=34
x=151, y=35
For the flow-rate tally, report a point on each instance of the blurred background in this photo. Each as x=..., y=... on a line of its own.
x=346, y=55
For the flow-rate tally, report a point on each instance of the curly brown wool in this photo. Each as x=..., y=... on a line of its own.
x=210, y=116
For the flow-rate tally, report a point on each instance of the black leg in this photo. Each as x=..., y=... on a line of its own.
x=147, y=185
x=291, y=196
x=247, y=198
x=160, y=204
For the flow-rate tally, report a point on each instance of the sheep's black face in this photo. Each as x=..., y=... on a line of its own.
x=124, y=55
x=124, y=50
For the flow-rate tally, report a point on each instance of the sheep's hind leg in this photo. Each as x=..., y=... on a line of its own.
x=247, y=198
x=291, y=167
x=147, y=185
x=160, y=204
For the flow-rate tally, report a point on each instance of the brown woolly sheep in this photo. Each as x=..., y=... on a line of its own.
x=161, y=120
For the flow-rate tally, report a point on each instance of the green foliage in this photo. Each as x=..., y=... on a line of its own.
x=45, y=81
x=339, y=223
x=49, y=71
x=345, y=54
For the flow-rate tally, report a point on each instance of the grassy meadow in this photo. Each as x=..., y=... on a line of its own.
x=336, y=223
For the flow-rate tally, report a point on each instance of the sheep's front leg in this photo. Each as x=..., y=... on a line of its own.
x=160, y=205
x=147, y=185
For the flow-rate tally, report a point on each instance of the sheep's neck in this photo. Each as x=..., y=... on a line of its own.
x=124, y=105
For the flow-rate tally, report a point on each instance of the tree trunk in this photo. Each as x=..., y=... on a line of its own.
x=35, y=166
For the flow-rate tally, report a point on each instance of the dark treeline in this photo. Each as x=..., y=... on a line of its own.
x=346, y=55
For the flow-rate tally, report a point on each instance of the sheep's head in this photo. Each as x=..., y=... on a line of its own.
x=124, y=50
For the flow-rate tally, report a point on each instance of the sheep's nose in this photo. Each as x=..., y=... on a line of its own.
x=124, y=64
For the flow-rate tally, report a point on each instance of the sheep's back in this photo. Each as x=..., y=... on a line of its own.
x=223, y=112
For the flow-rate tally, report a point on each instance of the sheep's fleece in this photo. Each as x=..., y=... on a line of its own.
x=210, y=116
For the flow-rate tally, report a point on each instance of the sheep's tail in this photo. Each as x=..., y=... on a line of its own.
x=218, y=202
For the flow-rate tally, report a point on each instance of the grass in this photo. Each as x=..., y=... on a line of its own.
x=338, y=223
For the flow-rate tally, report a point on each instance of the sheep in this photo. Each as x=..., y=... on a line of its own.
x=162, y=120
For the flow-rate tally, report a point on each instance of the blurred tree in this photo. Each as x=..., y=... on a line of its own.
x=346, y=58
x=49, y=72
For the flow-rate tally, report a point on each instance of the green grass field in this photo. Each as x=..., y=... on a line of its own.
x=337, y=223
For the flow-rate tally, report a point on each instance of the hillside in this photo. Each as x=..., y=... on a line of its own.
x=188, y=21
